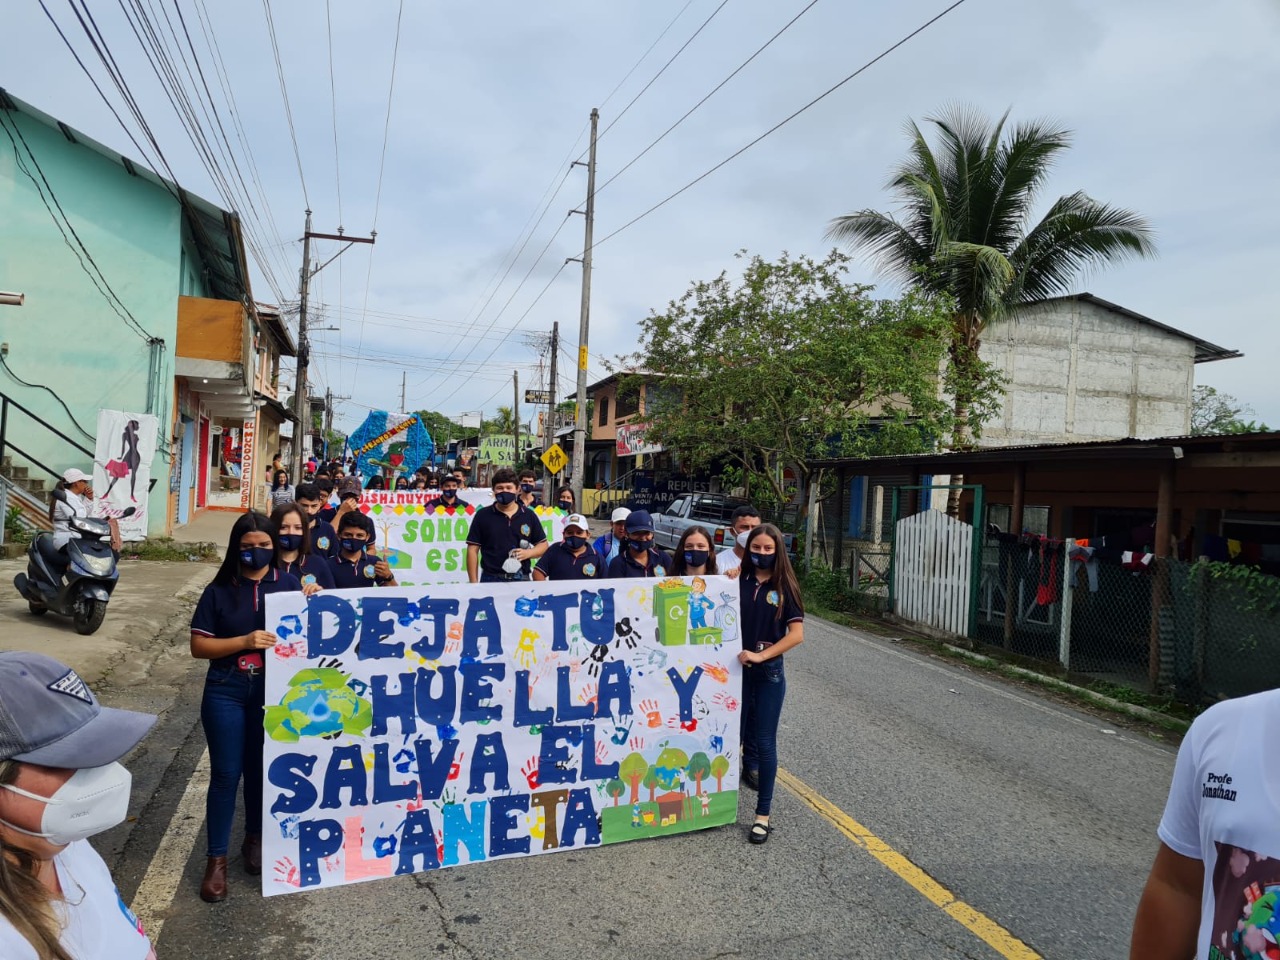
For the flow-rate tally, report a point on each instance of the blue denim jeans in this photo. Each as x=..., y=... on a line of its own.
x=231, y=713
x=495, y=578
x=763, y=688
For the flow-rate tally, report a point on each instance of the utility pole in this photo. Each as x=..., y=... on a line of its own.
x=551, y=400
x=402, y=407
x=515, y=416
x=301, y=398
x=584, y=322
x=328, y=417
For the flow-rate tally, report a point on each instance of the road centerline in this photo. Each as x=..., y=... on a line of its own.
x=973, y=920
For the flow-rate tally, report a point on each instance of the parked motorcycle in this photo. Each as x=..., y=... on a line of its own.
x=82, y=592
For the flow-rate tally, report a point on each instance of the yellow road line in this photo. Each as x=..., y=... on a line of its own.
x=976, y=922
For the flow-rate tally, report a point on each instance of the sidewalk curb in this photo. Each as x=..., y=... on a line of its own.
x=1133, y=710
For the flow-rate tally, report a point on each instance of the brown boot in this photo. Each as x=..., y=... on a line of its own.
x=251, y=850
x=213, y=888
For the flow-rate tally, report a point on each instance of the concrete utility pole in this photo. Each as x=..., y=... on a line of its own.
x=301, y=397
x=328, y=418
x=550, y=431
x=584, y=322
x=515, y=416
x=402, y=376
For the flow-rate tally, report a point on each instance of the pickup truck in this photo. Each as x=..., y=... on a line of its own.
x=710, y=510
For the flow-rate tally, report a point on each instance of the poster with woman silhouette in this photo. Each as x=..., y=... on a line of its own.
x=122, y=468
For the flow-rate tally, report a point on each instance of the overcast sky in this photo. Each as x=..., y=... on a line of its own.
x=1172, y=103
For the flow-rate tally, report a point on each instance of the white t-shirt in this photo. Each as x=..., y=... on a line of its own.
x=96, y=923
x=727, y=560
x=1224, y=809
x=64, y=512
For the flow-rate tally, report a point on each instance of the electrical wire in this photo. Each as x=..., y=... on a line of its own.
x=333, y=101
x=781, y=123
x=40, y=386
x=662, y=69
x=716, y=89
x=284, y=94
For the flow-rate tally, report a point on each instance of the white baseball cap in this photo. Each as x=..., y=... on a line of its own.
x=75, y=475
x=620, y=514
x=577, y=520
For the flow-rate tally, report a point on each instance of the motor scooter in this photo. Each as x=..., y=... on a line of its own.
x=76, y=581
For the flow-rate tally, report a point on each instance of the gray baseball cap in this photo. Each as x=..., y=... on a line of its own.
x=49, y=716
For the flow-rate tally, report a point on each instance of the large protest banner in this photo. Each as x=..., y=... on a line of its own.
x=409, y=731
x=428, y=547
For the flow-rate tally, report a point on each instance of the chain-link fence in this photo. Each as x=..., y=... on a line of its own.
x=1198, y=631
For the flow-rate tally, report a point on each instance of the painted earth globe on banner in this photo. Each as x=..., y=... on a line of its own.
x=391, y=444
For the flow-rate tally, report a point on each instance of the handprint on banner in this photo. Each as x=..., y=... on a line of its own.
x=589, y=694
x=723, y=699
x=530, y=771
x=287, y=872
x=453, y=641
x=625, y=633
x=537, y=823
x=637, y=743
x=526, y=657
x=598, y=655
x=602, y=752
x=651, y=713
x=455, y=768
x=717, y=672
x=620, y=733
x=690, y=725
x=406, y=761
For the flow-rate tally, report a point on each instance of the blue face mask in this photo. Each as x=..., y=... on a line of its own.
x=526, y=488
x=255, y=558
x=290, y=541
x=505, y=497
x=351, y=545
x=695, y=558
x=763, y=561
x=449, y=494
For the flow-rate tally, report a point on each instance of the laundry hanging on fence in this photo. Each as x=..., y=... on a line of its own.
x=1049, y=588
x=1083, y=554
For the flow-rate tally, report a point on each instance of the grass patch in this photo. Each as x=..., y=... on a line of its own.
x=167, y=549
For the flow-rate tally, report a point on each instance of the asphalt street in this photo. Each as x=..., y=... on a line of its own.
x=1037, y=817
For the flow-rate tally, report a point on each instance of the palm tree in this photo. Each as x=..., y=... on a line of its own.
x=966, y=231
x=504, y=422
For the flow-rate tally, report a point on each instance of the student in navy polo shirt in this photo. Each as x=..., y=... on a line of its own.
x=448, y=494
x=638, y=557
x=322, y=539
x=504, y=536
x=571, y=559
x=528, y=484
x=293, y=553
x=772, y=623
x=357, y=564
x=228, y=629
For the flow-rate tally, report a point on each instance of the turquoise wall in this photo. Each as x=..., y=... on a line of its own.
x=66, y=336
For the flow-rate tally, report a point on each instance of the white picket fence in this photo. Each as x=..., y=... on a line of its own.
x=932, y=571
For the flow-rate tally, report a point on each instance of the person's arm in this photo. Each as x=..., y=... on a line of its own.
x=793, y=638
x=204, y=647
x=473, y=562
x=1169, y=912
x=537, y=550
x=538, y=574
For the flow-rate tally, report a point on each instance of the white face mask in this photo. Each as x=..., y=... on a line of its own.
x=742, y=538
x=93, y=800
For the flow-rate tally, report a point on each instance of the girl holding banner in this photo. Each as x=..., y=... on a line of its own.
x=772, y=623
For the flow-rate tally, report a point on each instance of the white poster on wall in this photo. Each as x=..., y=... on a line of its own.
x=122, y=468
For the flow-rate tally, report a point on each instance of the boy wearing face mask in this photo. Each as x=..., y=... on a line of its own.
x=357, y=563
x=528, y=483
x=609, y=545
x=60, y=783
x=448, y=494
x=322, y=539
x=638, y=557
x=744, y=519
x=504, y=536
x=572, y=558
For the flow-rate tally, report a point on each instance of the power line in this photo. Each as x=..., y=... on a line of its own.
x=663, y=68
x=284, y=94
x=382, y=165
x=782, y=123
x=333, y=100
x=636, y=66
x=716, y=89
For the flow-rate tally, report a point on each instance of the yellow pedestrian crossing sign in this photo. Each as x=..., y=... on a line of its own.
x=555, y=458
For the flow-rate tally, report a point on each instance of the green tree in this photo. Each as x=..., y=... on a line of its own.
x=503, y=423
x=632, y=769
x=441, y=428
x=615, y=788
x=1220, y=413
x=652, y=780
x=669, y=766
x=792, y=364
x=698, y=768
x=967, y=231
x=719, y=767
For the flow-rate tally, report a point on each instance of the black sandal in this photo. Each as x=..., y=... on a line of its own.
x=759, y=832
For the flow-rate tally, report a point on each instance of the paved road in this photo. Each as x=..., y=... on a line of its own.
x=1038, y=816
